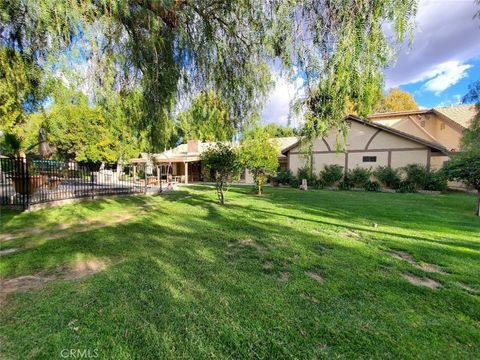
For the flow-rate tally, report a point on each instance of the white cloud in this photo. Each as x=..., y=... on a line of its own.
x=444, y=75
x=277, y=107
x=446, y=32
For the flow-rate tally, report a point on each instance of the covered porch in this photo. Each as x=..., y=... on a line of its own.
x=181, y=171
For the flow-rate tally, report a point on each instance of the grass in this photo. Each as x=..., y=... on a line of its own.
x=288, y=275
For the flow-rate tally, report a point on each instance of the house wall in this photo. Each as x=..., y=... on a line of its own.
x=430, y=127
x=362, y=140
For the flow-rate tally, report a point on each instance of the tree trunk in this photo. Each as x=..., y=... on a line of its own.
x=222, y=198
x=477, y=211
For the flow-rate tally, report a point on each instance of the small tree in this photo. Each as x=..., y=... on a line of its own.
x=465, y=165
x=259, y=154
x=222, y=161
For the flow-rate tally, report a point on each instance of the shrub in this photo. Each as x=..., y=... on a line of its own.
x=347, y=182
x=318, y=184
x=406, y=187
x=294, y=183
x=345, y=185
x=285, y=176
x=389, y=177
x=373, y=186
x=359, y=176
x=307, y=173
x=331, y=174
x=416, y=174
x=436, y=181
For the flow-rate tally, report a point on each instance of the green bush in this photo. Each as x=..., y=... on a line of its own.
x=359, y=176
x=373, y=186
x=331, y=174
x=416, y=174
x=347, y=182
x=406, y=187
x=425, y=179
x=294, y=183
x=436, y=181
x=307, y=173
x=389, y=177
x=285, y=176
x=318, y=185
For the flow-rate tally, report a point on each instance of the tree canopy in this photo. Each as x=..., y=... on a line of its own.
x=259, y=154
x=396, y=100
x=275, y=130
x=207, y=119
x=223, y=163
x=171, y=49
x=465, y=165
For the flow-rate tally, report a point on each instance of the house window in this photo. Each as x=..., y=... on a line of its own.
x=422, y=123
x=369, y=159
x=442, y=126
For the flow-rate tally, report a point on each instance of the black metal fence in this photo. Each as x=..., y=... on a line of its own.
x=25, y=182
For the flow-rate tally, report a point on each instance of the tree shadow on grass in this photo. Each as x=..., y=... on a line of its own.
x=183, y=284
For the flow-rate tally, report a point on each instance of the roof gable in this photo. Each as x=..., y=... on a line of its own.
x=432, y=145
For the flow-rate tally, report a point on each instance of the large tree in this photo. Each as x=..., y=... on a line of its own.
x=174, y=48
x=207, y=119
x=276, y=131
x=396, y=100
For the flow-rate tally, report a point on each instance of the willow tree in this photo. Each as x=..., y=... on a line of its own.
x=176, y=48
x=207, y=119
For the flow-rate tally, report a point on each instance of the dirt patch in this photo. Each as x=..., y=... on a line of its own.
x=81, y=269
x=310, y=298
x=284, y=276
x=268, y=265
x=22, y=283
x=314, y=276
x=78, y=270
x=469, y=289
x=402, y=255
x=415, y=280
x=8, y=251
x=251, y=243
x=431, y=268
x=64, y=229
x=350, y=234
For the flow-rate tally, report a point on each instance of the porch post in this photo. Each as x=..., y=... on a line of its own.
x=186, y=172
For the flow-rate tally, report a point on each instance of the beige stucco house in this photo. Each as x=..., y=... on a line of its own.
x=368, y=145
x=183, y=163
x=423, y=137
x=442, y=125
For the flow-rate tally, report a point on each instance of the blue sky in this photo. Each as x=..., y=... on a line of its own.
x=437, y=68
x=430, y=93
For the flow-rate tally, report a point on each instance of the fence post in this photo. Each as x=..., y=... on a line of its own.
x=91, y=182
x=26, y=202
x=145, y=177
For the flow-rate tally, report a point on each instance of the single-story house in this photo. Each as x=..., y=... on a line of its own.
x=183, y=163
x=368, y=145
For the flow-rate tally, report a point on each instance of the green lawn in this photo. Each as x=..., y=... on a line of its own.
x=287, y=275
